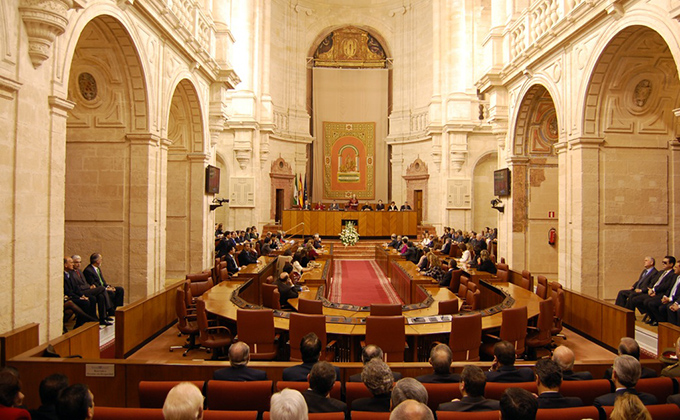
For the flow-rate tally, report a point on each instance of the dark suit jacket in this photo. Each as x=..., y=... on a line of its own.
x=380, y=207
x=298, y=373
x=232, y=265
x=556, y=400
x=665, y=286
x=245, y=258
x=608, y=399
x=470, y=404
x=45, y=412
x=510, y=374
x=286, y=291
x=357, y=377
x=92, y=278
x=79, y=280
x=411, y=254
x=570, y=375
x=317, y=403
x=239, y=374
x=487, y=266
x=644, y=280
x=646, y=373
x=446, y=249
x=438, y=378
x=403, y=208
x=446, y=280
x=379, y=404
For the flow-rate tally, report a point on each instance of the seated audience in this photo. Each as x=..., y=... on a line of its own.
x=640, y=286
x=184, y=402
x=370, y=352
x=564, y=357
x=466, y=258
x=366, y=207
x=380, y=205
x=423, y=263
x=75, y=301
x=11, y=397
x=472, y=384
x=484, y=263
x=548, y=382
x=394, y=242
x=321, y=380
x=239, y=356
x=629, y=407
x=93, y=275
x=317, y=241
x=659, y=286
x=625, y=376
x=378, y=378
x=232, y=266
x=300, y=261
x=411, y=253
x=334, y=206
x=412, y=410
x=503, y=368
x=662, y=305
x=673, y=371
x=97, y=294
x=447, y=246
x=319, y=206
x=49, y=390
x=408, y=389
x=353, y=203
x=518, y=404
x=434, y=267
x=247, y=255
x=440, y=359
x=446, y=279
x=306, y=205
x=288, y=405
x=392, y=207
x=631, y=347
x=75, y=403
x=310, y=350
x=287, y=289
x=266, y=247
x=405, y=206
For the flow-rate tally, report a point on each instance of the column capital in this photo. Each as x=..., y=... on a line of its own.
x=8, y=87
x=586, y=143
x=149, y=139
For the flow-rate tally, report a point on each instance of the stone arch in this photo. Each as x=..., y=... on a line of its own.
x=482, y=191
x=108, y=145
x=629, y=135
x=535, y=181
x=186, y=202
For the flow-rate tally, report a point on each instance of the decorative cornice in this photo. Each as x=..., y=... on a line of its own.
x=8, y=87
x=44, y=21
x=143, y=139
x=60, y=105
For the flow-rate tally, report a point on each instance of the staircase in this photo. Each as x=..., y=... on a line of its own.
x=363, y=250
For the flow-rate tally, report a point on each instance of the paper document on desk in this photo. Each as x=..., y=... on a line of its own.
x=428, y=319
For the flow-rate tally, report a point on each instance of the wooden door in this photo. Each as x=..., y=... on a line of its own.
x=418, y=203
x=279, y=205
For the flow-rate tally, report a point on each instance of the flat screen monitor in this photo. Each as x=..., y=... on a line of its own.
x=501, y=182
x=212, y=180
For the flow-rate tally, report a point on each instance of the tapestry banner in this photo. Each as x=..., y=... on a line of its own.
x=349, y=160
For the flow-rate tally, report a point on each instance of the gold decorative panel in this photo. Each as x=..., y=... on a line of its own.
x=350, y=47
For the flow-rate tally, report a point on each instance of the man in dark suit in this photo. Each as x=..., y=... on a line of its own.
x=440, y=359
x=472, y=384
x=286, y=289
x=394, y=242
x=239, y=356
x=658, y=310
x=641, y=285
x=405, y=206
x=321, y=380
x=310, y=350
x=378, y=378
x=548, y=381
x=380, y=205
x=503, y=368
x=625, y=376
x=247, y=255
x=84, y=310
x=93, y=275
x=447, y=247
x=660, y=286
x=97, y=294
x=446, y=279
x=630, y=347
x=370, y=352
x=366, y=207
x=232, y=265
x=411, y=253
x=49, y=390
x=518, y=404
x=564, y=357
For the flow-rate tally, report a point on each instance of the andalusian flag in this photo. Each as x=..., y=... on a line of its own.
x=301, y=198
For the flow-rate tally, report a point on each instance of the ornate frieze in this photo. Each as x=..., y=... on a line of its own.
x=44, y=21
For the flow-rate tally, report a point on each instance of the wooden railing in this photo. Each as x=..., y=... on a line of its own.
x=17, y=341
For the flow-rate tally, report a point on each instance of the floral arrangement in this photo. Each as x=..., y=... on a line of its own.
x=349, y=235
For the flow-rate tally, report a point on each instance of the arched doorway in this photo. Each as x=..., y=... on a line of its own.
x=349, y=100
x=535, y=184
x=629, y=155
x=185, y=189
x=107, y=142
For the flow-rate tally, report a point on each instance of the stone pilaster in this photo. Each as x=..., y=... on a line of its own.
x=516, y=208
x=563, y=232
x=200, y=252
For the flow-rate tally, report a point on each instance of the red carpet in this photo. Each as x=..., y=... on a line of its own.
x=361, y=282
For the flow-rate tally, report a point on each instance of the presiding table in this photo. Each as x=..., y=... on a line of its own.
x=368, y=223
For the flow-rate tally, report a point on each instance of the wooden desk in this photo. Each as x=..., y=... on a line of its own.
x=258, y=273
x=369, y=223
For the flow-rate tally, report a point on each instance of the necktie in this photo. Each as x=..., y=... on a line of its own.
x=675, y=288
x=660, y=279
x=99, y=276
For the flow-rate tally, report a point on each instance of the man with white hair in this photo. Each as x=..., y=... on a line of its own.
x=411, y=410
x=564, y=357
x=625, y=375
x=184, y=402
x=288, y=404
